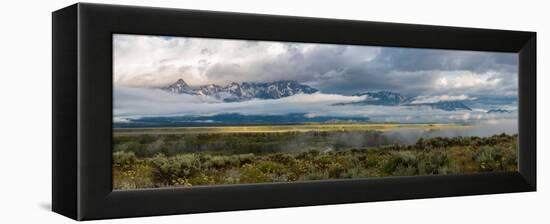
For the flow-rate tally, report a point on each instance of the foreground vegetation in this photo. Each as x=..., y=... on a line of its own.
x=152, y=160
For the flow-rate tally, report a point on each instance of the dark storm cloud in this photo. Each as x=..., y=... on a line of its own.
x=411, y=59
x=414, y=71
x=317, y=63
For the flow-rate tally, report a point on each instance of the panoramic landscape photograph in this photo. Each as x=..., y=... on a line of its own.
x=193, y=111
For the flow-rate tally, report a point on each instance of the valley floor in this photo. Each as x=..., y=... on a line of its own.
x=312, y=127
x=163, y=158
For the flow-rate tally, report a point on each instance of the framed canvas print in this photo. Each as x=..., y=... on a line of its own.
x=168, y=111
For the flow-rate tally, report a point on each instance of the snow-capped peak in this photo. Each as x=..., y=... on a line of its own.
x=236, y=92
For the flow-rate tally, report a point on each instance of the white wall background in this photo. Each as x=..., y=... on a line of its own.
x=25, y=85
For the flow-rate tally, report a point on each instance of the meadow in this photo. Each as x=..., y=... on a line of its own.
x=192, y=156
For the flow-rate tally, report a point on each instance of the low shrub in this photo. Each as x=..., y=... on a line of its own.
x=124, y=160
x=336, y=170
x=270, y=167
x=251, y=174
x=220, y=162
x=489, y=158
x=321, y=175
x=168, y=169
x=283, y=158
x=433, y=163
x=402, y=163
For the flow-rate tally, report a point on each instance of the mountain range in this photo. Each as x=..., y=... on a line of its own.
x=387, y=98
x=384, y=98
x=238, y=92
x=497, y=110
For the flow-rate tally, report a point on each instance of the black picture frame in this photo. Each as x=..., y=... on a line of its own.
x=82, y=110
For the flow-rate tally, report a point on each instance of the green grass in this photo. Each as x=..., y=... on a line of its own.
x=183, y=160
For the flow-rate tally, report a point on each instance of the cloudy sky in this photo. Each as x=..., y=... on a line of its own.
x=487, y=80
x=150, y=61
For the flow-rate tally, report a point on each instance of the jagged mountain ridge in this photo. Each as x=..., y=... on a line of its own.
x=497, y=110
x=179, y=86
x=387, y=98
x=237, y=92
x=448, y=105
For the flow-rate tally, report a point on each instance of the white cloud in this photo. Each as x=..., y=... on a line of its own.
x=138, y=102
x=461, y=80
x=141, y=60
x=441, y=98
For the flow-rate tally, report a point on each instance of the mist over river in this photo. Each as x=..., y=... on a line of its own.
x=301, y=137
x=409, y=135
